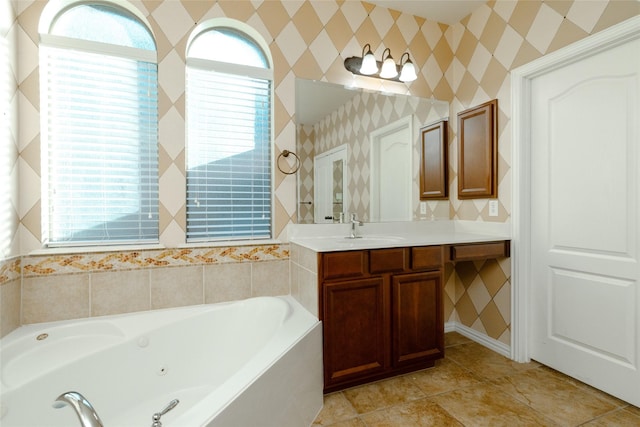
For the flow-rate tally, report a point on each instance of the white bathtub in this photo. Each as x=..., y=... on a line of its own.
x=256, y=362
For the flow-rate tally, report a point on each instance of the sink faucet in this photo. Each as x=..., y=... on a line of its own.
x=354, y=232
x=85, y=412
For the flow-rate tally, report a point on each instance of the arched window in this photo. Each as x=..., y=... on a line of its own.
x=99, y=124
x=229, y=136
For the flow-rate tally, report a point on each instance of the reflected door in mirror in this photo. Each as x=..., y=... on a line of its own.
x=391, y=172
x=330, y=179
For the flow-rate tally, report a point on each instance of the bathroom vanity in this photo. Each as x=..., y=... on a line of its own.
x=380, y=298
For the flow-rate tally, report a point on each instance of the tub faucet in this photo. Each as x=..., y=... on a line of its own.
x=85, y=412
x=354, y=232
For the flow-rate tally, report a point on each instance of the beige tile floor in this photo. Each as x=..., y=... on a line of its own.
x=474, y=386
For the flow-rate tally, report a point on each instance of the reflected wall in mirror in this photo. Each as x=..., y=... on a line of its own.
x=329, y=115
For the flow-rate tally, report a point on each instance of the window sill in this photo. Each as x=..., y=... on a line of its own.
x=223, y=243
x=95, y=249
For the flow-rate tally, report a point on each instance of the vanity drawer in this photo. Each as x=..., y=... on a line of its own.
x=426, y=257
x=478, y=251
x=387, y=260
x=337, y=265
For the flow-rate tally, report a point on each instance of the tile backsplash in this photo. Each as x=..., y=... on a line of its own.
x=46, y=288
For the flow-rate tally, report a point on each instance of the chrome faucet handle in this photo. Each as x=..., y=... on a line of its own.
x=355, y=220
x=157, y=415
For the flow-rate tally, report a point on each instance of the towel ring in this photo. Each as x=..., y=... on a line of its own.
x=286, y=153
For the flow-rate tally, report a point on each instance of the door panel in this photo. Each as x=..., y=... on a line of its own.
x=591, y=138
x=579, y=325
x=585, y=220
x=394, y=175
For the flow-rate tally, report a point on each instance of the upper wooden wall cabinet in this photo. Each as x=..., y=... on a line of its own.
x=478, y=152
x=433, y=162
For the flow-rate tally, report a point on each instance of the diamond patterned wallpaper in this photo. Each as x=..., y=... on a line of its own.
x=307, y=40
x=465, y=64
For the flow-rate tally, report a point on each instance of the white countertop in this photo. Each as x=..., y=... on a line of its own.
x=333, y=237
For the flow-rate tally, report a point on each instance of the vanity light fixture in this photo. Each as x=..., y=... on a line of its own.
x=387, y=69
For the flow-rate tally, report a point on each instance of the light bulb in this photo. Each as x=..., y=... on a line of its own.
x=389, y=69
x=369, y=65
x=408, y=73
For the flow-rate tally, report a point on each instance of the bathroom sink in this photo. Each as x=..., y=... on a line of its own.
x=365, y=241
x=373, y=239
x=338, y=243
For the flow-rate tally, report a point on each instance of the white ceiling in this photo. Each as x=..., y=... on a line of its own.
x=445, y=11
x=314, y=100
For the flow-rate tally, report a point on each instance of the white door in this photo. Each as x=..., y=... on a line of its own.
x=328, y=192
x=391, y=172
x=585, y=220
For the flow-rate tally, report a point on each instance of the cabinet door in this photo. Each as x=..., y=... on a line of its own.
x=417, y=318
x=478, y=152
x=433, y=162
x=355, y=330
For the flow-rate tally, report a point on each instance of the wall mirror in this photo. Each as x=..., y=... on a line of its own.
x=329, y=116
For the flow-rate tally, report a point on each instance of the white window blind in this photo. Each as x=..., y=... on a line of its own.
x=228, y=156
x=99, y=125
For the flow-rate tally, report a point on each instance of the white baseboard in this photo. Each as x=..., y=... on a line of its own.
x=450, y=327
x=480, y=338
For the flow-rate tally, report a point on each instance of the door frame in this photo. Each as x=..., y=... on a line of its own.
x=343, y=152
x=521, y=78
x=374, y=153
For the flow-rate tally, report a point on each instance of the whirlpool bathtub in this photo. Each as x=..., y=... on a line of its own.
x=256, y=362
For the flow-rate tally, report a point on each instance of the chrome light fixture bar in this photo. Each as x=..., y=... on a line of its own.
x=387, y=69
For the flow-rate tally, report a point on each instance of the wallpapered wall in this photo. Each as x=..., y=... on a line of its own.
x=466, y=64
x=307, y=40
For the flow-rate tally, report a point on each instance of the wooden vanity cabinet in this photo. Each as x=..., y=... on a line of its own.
x=417, y=318
x=382, y=313
x=382, y=309
x=356, y=331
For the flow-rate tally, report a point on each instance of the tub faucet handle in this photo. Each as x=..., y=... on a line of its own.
x=157, y=415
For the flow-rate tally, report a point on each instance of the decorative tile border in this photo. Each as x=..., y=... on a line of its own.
x=9, y=270
x=47, y=265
